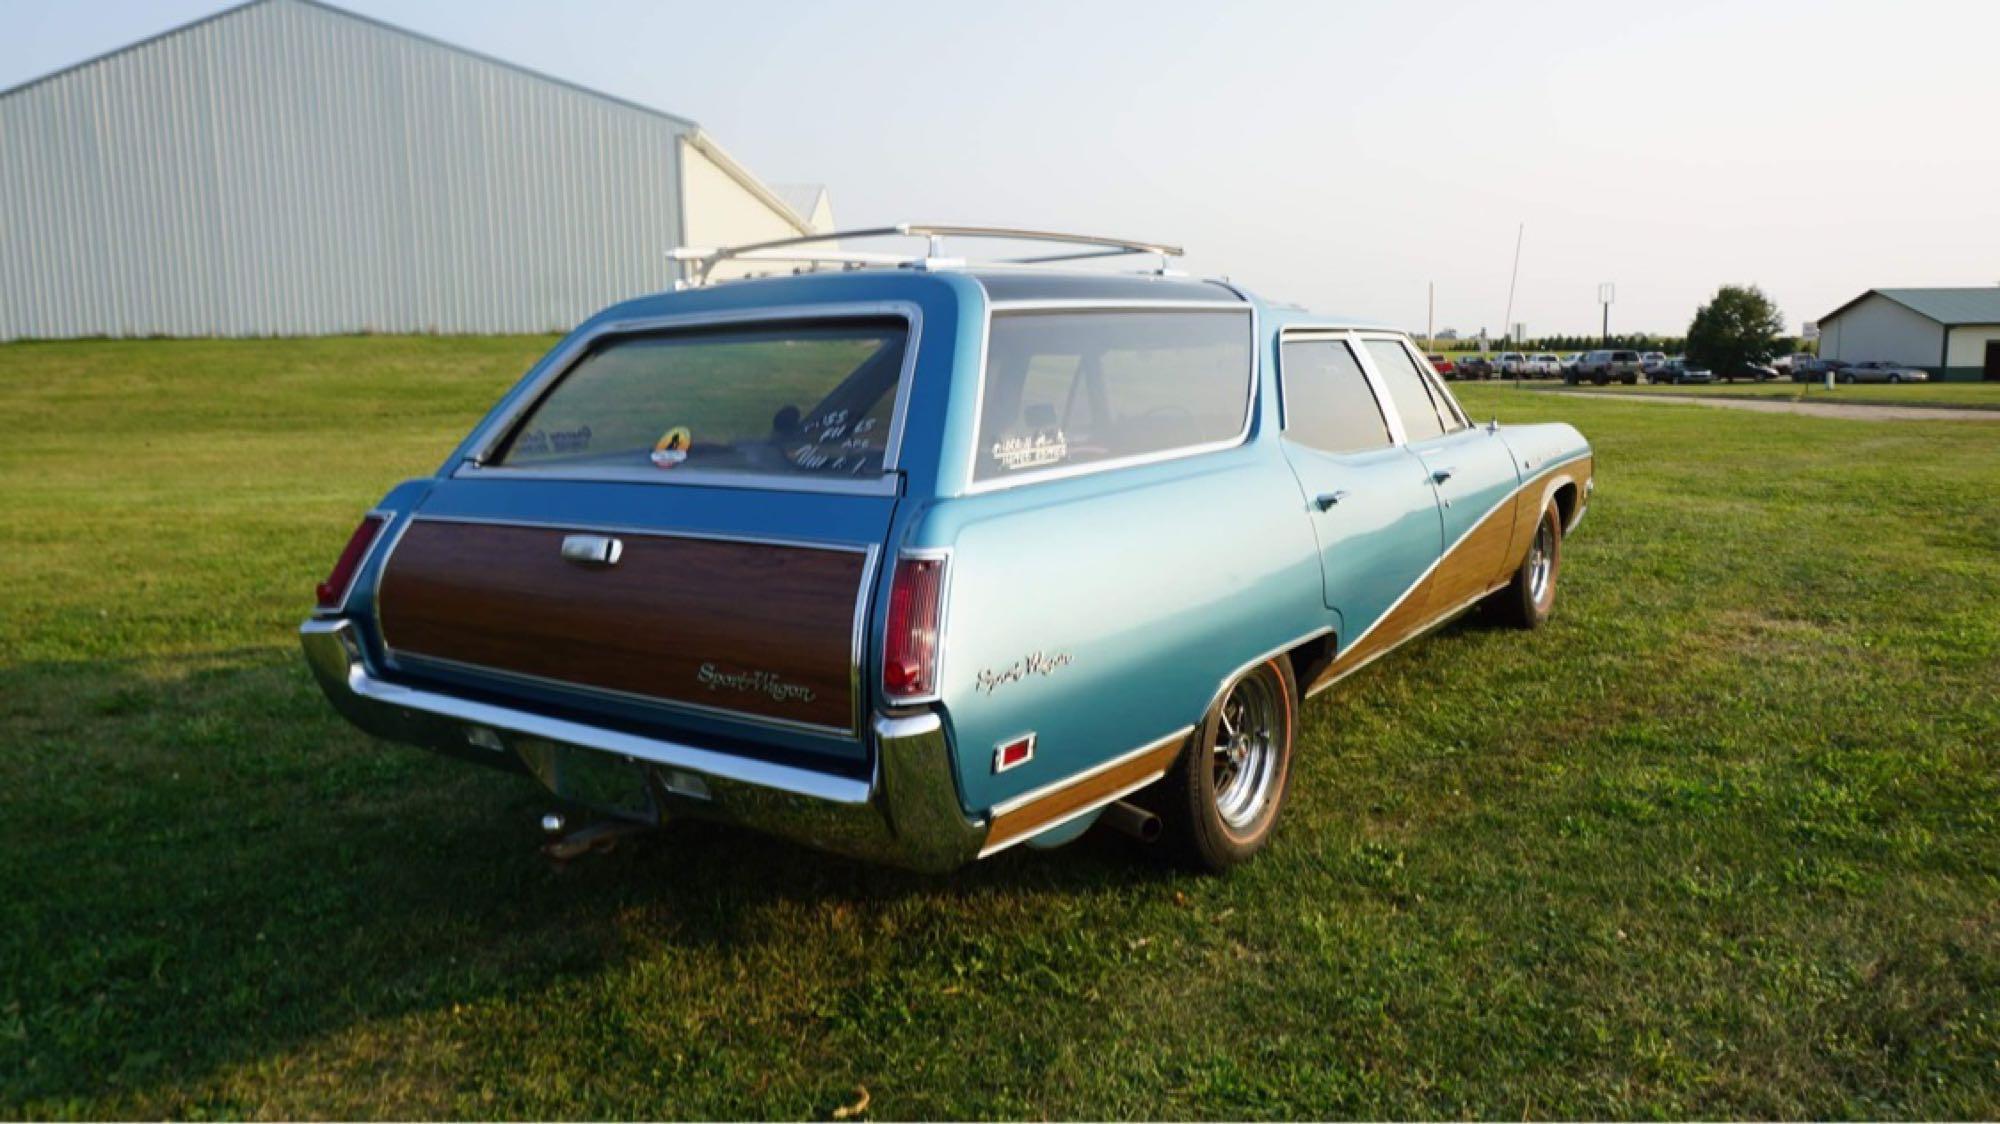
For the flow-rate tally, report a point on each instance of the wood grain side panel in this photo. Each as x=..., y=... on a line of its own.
x=1477, y=561
x=1482, y=559
x=748, y=627
x=1031, y=818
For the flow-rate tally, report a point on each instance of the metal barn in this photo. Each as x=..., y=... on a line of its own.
x=289, y=168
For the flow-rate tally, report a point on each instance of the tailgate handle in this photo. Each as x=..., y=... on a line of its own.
x=592, y=550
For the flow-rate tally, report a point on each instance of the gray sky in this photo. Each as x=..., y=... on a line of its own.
x=1340, y=155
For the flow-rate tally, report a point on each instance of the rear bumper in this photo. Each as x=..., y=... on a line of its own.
x=906, y=813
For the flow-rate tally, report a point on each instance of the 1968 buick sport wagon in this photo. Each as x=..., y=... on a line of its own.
x=916, y=559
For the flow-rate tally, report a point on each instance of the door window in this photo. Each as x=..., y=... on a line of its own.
x=1328, y=402
x=1423, y=416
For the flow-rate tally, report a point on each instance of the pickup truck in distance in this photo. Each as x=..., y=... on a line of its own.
x=919, y=561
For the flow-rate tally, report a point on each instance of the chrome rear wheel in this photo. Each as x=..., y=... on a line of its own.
x=1541, y=560
x=1222, y=798
x=1245, y=759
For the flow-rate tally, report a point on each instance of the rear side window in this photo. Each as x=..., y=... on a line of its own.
x=1408, y=389
x=809, y=399
x=1328, y=402
x=1077, y=388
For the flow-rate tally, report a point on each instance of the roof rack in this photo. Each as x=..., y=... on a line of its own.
x=796, y=252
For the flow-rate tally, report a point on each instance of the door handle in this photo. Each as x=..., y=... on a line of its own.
x=592, y=550
x=1327, y=499
x=1442, y=475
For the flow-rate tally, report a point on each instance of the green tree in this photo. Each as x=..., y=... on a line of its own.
x=1739, y=326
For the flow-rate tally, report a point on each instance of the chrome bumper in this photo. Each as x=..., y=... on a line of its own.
x=906, y=814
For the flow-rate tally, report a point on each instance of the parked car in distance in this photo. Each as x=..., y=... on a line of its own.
x=1569, y=365
x=1677, y=371
x=1814, y=369
x=1650, y=361
x=1882, y=371
x=1755, y=372
x=1604, y=367
x=1475, y=367
x=1511, y=364
x=871, y=558
x=1444, y=367
x=1547, y=366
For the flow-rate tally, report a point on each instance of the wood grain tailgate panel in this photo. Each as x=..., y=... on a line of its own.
x=772, y=625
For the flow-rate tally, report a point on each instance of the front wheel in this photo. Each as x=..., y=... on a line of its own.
x=1527, y=600
x=1222, y=797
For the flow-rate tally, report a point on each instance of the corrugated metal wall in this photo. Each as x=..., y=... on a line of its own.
x=289, y=169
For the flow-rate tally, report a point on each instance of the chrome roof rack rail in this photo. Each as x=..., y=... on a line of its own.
x=699, y=262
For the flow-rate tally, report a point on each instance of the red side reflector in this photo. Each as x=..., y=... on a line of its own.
x=1020, y=751
x=910, y=647
x=333, y=591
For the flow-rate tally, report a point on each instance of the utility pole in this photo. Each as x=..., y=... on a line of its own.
x=1515, y=276
x=1606, y=293
x=1430, y=319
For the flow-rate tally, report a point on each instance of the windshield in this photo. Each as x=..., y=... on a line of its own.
x=812, y=399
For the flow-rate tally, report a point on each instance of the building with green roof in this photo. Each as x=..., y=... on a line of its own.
x=1952, y=333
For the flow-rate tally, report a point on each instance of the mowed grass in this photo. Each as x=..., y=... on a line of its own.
x=1723, y=839
x=1956, y=395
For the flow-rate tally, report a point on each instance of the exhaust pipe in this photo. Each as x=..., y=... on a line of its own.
x=597, y=837
x=1133, y=820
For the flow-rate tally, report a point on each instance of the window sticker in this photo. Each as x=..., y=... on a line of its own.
x=554, y=442
x=672, y=447
x=1042, y=448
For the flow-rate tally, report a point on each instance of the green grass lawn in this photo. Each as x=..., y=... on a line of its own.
x=1962, y=395
x=1721, y=840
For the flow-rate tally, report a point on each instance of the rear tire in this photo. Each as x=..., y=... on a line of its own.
x=1529, y=597
x=1221, y=800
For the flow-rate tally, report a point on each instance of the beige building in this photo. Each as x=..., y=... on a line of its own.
x=290, y=168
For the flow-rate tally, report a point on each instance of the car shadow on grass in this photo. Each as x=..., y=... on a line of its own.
x=204, y=867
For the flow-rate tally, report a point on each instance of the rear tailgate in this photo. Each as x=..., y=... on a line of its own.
x=709, y=625
x=679, y=526
x=749, y=629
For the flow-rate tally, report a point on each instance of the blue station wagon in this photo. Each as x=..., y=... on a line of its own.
x=915, y=559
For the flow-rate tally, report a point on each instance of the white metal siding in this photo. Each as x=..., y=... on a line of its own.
x=1880, y=329
x=1968, y=346
x=288, y=169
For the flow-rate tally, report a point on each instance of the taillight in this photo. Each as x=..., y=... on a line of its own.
x=333, y=591
x=910, y=649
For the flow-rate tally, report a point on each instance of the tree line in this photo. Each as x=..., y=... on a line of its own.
x=1739, y=326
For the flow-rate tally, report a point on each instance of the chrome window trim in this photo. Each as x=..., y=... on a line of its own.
x=886, y=485
x=943, y=555
x=568, y=354
x=1390, y=422
x=974, y=486
x=857, y=640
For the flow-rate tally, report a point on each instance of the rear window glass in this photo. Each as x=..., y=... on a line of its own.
x=1075, y=388
x=810, y=399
